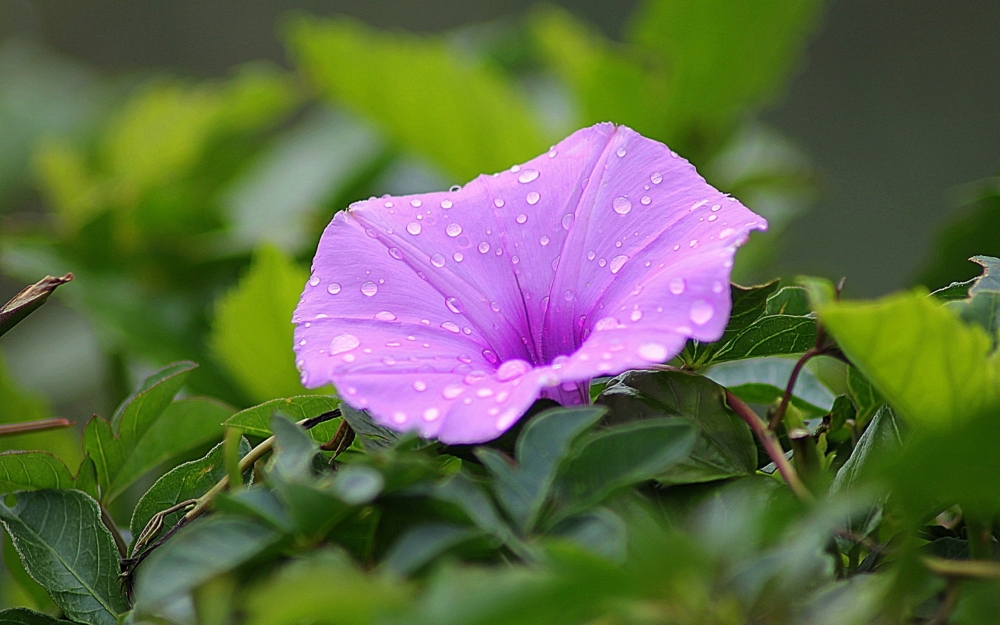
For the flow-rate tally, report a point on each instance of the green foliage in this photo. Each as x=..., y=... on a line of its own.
x=976, y=230
x=32, y=470
x=256, y=421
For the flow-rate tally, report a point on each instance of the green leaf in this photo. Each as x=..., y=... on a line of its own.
x=28, y=301
x=185, y=424
x=722, y=444
x=425, y=543
x=105, y=450
x=920, y=356
x=882, y=437
x=15, y=568
x=256, y=421
x=199, y=552
x=866, y=399
x=372, y=435
x=470, y=497
x=32, y=470
x=749, y=303
x=186, y=481
x=790, y=300
x=144, y=406
x=771, y=335
x=621, y=456
x=430, y=98
x=763, y=380
x=293, y=450
x=252, y=332
x=24, y=616
x=982, y=310
x=66, y=548
x=258, y=502
x=990, y=280
x=542, y=446
x=723, y=57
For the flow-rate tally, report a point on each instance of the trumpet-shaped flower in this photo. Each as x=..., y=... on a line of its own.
x=450, y=313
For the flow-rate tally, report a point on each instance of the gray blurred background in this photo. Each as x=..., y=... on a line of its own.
x=897, y=103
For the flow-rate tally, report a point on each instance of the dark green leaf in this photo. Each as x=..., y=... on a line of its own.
x=357, y=484
x=28, y=301
x=186, y=481
x=541, y=448
x=955, y=290
x=185, y=424
x=143, y=407
x=723, y=446
x=258, y=502
x=256, y=421
x=624, y=455
x=790, y=300
x=883, y=436
x=600, y=531
x=372, y=435
x=469, y=496
x=763, y=380
x=105, y=450
x=32, y=470
x=293, y=450
x=424, y=543
x=18, y=575
x=24, y=616
x=66, y=548
x=770, y=335
x=749, y=303
x=866, y=398
x=990, y=280
x=199, y=552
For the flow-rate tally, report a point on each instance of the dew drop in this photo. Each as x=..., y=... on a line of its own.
x=420, y=386
x=455, y=188
x=498, y=203
x=385, y=315
x=620, y=152
x=314, y=281
x=544, y=240
x=544, y=303
x=552, y=153
x=490, y=356
x=532, y=198
x=348, y=357
x=693, y=243
x=601, y=262
x=431, y=413
x=567, y=221
x=622, y=205
x=458, y=257
x=717, y=287
x=713, y=217
x=512, y=369
x=437, y=260
x=607, y=323
x=716, y=208
x=591, y=255
x=343, y=343
x=451, y=392
x=454, y=305
x=415, y=203
x=726, y=233
x=495, y=307
x=388, y=204
x=555, y=263
x=636, y=315
x=527, y=176
x=652, y=352
x=484, y=392
x=701, y=312
x=389, y=361
x=656, y=177
x=395, y=253
x=446, y=204
x=677, y=286
x=515, y=259
x=484, y=247
x=568, y=296
x=399, y=417
x=451, y=327
x=453, y=230
x=369, y=288
x=509, y=416
x=645, y=200
x=521, y=218
x=413, y=228
x=617, y=262
x=333, y=289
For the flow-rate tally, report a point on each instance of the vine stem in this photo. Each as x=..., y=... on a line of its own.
x=10, y=429
x=771, y=445
x=786, y=397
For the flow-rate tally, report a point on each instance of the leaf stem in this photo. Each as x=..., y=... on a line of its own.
x=771, y=445
x=786, y=398
x=10, y=429
x=115, y=533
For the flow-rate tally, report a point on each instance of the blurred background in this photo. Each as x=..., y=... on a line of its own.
x=182, y=158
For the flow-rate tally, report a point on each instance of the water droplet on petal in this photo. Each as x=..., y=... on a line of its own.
x=568, y=296
x=656, y=177
x=532, y=198
x=693, y=243
x=395, y=253
x=415, y=203
x=453, y=391
x=455, y=188
x=314, y=281
x=490, y=356
x=601, y=262
x=458, y=257
x=399, y=417
x=420, y=386
x=453, y=230
x=484, y=392
x=437, y=260
x=413, y=228
x=716, y=208
x=498, y=203
x=617, y=262
x=620, y=152
x=431, y=413
x=495, y=307
x=636, y=315
x=677, y=286
x=726, y=233
x=567, y=221
x=451, y=327
x=544, y=303
x=701, y=312
x=713, y=217
x=555, y=263
x=369, y=288
x=512, y=369
x=544, y=240
x=385, y=315
x=333, y=289
x=607, y=323
x=645, y=200
x=521, y=218
x=484, y=247
x=591, y=255
x=388, y=204
x=652, y=352
x=515, y=259
x=343, y=343
x=527, y=176
x=622, y=205
x=454, y=305
x=717, y=287
x=446, y=204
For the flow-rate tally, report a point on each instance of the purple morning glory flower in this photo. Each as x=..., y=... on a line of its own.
x=450, y=313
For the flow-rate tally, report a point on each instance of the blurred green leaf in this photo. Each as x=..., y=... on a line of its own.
x=24, y=616
x=763, y=380
x=983, y=310
x=258, y=502
x=143, y=407
x=721, y=443
x=189, y=480
x=32, y=470
x=424, y=543
x=66, y=548
x=542, y=446
x=256, y=421
x=976, y=230
x=16, y=405
x=882, y=437
x=294, y=450
x=199, y=552
x=252, y=333
x=919, y=355
x=428, y=97
x=372, y=435
x=866, y=398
